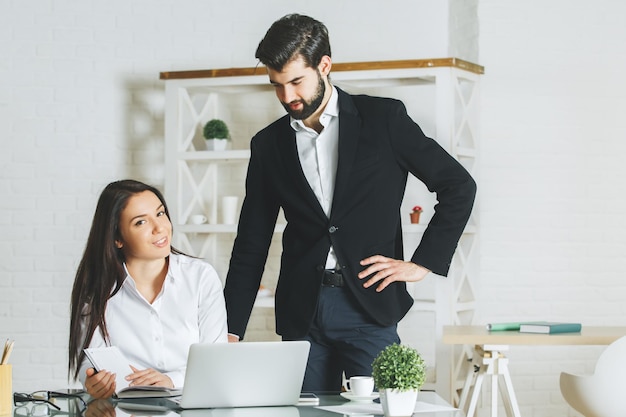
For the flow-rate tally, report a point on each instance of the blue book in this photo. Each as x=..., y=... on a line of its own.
x=549, y=327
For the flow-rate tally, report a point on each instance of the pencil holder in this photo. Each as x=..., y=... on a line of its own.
x=6, y=389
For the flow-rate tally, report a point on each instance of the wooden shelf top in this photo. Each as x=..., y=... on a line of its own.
x=342, y=66
x=479, y=335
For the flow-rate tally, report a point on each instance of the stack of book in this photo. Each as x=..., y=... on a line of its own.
x=547, y=327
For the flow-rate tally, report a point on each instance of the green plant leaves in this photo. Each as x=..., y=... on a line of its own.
x=215, y=129
x=399, y=367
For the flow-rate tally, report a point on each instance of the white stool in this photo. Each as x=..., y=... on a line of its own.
x=489, y=360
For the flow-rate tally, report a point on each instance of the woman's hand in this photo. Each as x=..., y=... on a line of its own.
x=149, y=377
x=101, y=384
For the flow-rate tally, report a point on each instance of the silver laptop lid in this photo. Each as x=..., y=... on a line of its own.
x=244, y=374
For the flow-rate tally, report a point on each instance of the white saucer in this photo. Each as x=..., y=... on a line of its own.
x=356, y=398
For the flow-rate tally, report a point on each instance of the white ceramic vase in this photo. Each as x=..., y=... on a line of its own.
x=216, y=144
x=398, y=403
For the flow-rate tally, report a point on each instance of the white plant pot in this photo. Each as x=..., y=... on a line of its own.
x=216, y=144
x=398, y=403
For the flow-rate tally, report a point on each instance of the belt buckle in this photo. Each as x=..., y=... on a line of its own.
x=332, y=279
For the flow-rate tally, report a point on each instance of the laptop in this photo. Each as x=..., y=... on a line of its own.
x=244, y=374
x=286, y=411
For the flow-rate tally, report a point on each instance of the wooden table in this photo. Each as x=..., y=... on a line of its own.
x=488, y=358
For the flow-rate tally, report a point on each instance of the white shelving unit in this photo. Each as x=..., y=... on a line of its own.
x=441, y=95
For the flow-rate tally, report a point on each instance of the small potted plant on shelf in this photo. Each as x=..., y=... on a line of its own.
x=399, y=372
x=415, y=214
x=216, y=134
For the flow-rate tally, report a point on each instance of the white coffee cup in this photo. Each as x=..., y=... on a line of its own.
x=229, y=209
x=360, y=386
x=198, y=219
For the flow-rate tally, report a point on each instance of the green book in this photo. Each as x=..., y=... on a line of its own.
x=549, y=327
x=499, y=327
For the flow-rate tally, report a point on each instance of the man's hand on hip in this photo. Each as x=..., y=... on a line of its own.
x=385, y=270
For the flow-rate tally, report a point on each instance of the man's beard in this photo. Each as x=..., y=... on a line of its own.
x=311, y=106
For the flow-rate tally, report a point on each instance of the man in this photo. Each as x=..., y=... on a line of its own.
x=337, y=164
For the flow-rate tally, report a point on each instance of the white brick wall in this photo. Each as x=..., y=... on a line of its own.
x=463, y=29
x=81, y=105
x=552, y=179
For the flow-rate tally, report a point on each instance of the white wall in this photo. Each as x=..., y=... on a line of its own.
x=81, y=105
x=552, y=178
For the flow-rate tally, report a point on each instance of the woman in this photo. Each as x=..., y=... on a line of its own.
x=135, y=291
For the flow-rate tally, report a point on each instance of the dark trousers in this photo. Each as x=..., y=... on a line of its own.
x=343, y=339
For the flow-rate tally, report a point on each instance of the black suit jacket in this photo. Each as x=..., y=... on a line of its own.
x=379, y=145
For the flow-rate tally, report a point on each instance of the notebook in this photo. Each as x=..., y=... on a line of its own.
x=244, y=374
x=550, y=327
x=113, y=360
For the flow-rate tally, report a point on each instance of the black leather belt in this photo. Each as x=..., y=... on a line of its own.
x=332, y=278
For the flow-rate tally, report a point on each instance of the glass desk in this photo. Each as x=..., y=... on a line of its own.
x=104, y=408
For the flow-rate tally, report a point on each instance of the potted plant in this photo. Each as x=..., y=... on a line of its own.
x=415, y=214
x=399, y=372
x=216, y=134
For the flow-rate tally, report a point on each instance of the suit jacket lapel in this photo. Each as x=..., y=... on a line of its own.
x=289, y=156
x=349, y=131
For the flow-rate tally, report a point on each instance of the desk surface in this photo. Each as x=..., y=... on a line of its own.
x=104, y=408
x=479, y=335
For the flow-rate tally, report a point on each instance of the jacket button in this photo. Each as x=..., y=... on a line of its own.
x=333, y=229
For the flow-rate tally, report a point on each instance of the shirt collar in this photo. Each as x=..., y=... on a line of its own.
x=331, y=110
x=172, y=267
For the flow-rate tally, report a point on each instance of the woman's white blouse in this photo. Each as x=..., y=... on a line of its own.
x=189, y=309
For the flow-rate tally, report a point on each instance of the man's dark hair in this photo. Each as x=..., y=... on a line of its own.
x=291, y=36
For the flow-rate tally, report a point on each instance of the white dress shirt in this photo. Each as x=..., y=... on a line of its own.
x=189, y=309
x=318, y=155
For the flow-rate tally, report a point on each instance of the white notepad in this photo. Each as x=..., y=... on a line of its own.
x=112, y=359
